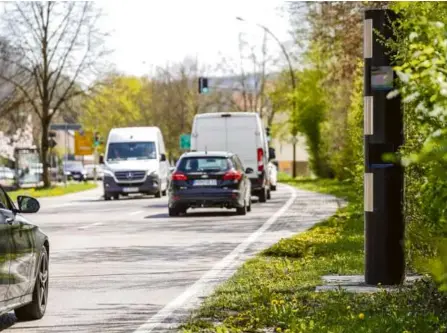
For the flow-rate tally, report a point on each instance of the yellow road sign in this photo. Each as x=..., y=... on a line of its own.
x=84, y=143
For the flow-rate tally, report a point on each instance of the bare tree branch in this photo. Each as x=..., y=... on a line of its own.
x=58, y=44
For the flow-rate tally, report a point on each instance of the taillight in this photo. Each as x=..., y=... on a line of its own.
x=260, y=159
x=232, y=175
x=179, y=176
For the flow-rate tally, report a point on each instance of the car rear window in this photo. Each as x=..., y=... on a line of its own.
x=204, y=164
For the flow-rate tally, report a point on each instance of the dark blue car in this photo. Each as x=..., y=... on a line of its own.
x=209, y=179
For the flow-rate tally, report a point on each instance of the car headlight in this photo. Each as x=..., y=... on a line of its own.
x=107, y=173
x=152, y=173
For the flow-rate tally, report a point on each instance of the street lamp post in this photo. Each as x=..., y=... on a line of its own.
x=292, y=77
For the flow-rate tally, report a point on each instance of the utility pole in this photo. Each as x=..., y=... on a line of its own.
x=383, y=133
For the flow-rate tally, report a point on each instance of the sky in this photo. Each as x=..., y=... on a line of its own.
x=149, y=33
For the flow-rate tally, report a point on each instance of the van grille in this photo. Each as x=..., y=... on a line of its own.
x=130, y=175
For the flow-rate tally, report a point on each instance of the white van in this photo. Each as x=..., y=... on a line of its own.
x=241, y=133
x=135, y=162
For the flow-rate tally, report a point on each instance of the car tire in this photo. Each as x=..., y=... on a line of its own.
x=116, y=197
x=164, y=193
x=107, y=197
x=273, y=187
x=173, y=212
x=249, y=206
x=158, y=194
x=269, y=195
x=36, y=309
x=263, y=195
x=242, y=210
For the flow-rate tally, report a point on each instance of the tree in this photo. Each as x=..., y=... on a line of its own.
x=249, y=82
x=309, y=114
x=125, y=100
x=334, y=36
x=56, y=47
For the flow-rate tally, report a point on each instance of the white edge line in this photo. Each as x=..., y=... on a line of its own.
x=90, y=225
x=136, y=213
x=214, y=272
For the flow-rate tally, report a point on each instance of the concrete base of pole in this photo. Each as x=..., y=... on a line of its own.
x=356, y=284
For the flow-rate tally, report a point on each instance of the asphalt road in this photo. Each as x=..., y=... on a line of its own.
x=125, y=266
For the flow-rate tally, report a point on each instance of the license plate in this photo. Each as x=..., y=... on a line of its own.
x=205, y=182
x=130, y=189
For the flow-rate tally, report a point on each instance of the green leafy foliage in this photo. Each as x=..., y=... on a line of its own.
x=308, y=115
x=421, y=50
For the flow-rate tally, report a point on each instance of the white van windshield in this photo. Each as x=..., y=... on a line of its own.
x=122, y=151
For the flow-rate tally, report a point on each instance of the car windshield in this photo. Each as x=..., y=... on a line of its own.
x=204, y=164
x=119, y=151
x=75, y=166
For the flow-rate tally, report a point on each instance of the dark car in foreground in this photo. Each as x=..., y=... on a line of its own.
x=209, y=179
x=24, y=258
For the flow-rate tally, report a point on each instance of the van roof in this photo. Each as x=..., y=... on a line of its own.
x=207, y=153
x=133, y=134
x=227, y=114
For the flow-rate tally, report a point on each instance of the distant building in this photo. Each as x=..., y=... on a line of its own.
x=23, y=138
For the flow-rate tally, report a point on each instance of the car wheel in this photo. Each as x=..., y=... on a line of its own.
x=269, y=195
x=263, y=195
x=249, y=205
x=158, y=194
x=242, y=210
x=36, y=309
x=107, y=197
x=273, y=187
x=116, y=197
x=173, y=212
x=163, y=193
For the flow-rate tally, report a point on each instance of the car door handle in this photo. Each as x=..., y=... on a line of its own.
x=9, y=220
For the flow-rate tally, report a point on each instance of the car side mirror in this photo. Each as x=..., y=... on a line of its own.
x=249, y=170
x=162, y=157
x=27, y=204
x=272, y=153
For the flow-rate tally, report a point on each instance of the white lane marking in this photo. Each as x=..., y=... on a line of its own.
x=192, y=293
x=57, y=206
x=136, y=212
x=90, y=225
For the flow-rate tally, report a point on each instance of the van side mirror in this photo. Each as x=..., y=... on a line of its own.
x=162, y=157
x=272, y=153
x=249, y=170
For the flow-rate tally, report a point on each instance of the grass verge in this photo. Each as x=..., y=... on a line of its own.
x=274, y=292
x=53, y=191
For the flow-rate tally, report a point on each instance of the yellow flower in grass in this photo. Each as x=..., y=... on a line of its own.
x=278, y=329
x=361, y=316
x=274, y=302
x=281, y=302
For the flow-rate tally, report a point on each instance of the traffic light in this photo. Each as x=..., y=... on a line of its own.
x=52, y=143
x=97, y=139
x=267, y=132
x=203, y=85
